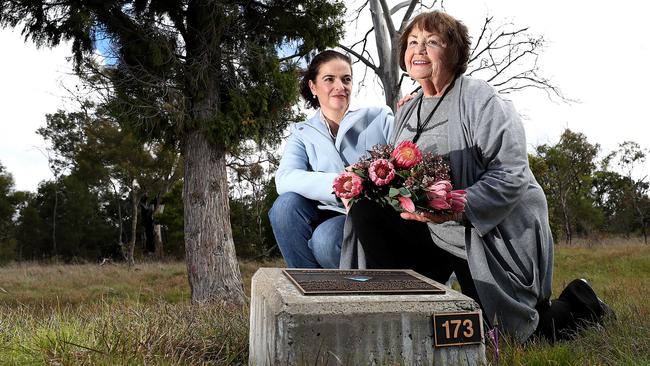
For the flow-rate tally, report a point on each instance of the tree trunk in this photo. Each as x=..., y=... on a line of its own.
x=387, y=51
x=567, y=223
x=130, y=250
x=118, y=202
x=157, y=230
x=212, y=266
x=147, y=209
x=56, y=204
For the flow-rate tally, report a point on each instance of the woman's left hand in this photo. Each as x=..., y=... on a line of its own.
x=428, y=217
x=404, y=100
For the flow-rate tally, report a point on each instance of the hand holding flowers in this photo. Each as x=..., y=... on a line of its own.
x=405, y=179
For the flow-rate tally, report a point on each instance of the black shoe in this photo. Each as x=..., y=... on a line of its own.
x=586, y=307
x=608, y=313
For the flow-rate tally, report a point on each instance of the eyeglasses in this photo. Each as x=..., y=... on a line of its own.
x=430, y=43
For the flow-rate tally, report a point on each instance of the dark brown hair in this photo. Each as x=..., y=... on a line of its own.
x=453, y=31
x=312, y=71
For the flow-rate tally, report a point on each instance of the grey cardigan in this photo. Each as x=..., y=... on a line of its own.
x=509, y=245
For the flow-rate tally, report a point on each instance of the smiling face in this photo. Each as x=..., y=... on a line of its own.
x=333, y=87
x=426, y=56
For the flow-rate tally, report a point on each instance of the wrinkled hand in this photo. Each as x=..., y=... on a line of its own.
x=428, y=217
x=404, y=100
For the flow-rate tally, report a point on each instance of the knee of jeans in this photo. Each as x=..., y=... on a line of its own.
x=285, y=203
x=327, y=239
x=326, y=251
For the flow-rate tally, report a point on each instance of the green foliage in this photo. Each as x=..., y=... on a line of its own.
x=64, y=133
x=252, y=234
x=78, y=229
x=171, y=220
x=8, y=202
x=565, y=172
x=632, y=193
x=612, y=192
x=106, y=155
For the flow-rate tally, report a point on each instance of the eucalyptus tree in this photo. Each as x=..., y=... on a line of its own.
x=565, y=171
x=629, y=158
x=201, y=73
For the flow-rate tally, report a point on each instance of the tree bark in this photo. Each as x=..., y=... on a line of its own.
x=135, y=200
x=118, y=202
x=56, y=204
x=212, y=266
x=387, y=50
x=567, y=223
x=157, y=230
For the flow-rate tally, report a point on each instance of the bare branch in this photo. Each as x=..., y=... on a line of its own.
x=480, y=37
x=364, y=40
x=361, y=58
x=492, y=41
x=401, y=5
x=358, y=12
x=407, y=16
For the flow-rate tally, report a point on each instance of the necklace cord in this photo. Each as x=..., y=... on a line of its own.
x=421, y=126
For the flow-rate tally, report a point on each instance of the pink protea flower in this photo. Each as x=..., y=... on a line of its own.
x=406, y=204
x=439, y=189
x=406, y=155
x=347, y=185
x=456, y=200
x=381, y=172
x=439, y=204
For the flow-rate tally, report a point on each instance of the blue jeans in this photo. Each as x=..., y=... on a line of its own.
x=307, y=237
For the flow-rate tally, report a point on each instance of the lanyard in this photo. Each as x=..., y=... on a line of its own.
x=421, y=126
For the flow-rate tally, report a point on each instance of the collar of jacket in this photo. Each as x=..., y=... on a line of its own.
x=318, y=122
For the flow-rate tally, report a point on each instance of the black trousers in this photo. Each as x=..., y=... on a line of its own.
x=390, y=242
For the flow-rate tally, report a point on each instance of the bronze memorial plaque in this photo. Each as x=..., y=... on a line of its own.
x=359, y=282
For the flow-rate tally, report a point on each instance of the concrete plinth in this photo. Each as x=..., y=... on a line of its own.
x=288, y=328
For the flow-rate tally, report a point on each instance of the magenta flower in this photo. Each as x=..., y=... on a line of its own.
x=439, y=189
x=456, y=200
x=406, y=204
x=406, y=155
x=439, y=204
x=381, y=172
x=347, y=185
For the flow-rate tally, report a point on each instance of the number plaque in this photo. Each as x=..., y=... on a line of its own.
x=456, y=329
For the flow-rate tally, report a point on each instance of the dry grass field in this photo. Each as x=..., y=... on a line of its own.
x=112, y=315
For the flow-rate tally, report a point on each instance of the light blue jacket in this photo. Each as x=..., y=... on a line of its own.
x=311, y=160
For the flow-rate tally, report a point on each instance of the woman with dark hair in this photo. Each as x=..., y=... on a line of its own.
x=501, y=249
x=306, y=218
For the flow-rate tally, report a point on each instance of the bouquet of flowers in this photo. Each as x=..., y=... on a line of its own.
x=403, y=178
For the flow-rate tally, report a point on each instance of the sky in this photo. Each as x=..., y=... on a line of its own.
x=596, y=52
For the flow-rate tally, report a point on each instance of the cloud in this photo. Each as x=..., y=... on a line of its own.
x=32, y=82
